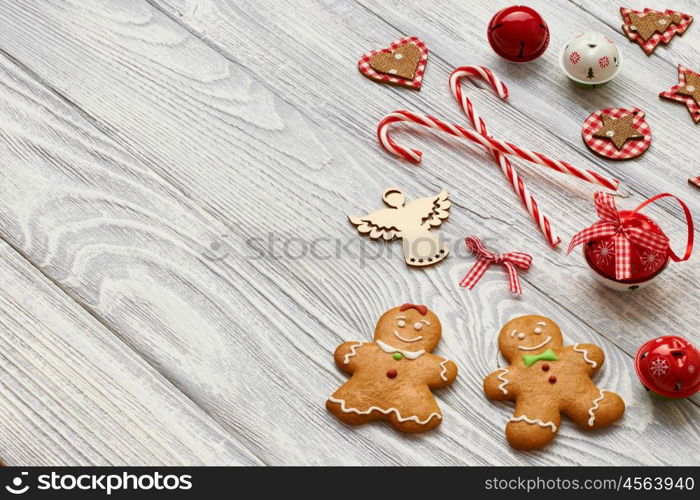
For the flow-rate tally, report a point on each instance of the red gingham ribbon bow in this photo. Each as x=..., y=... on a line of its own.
x=485, y=258
x=611, y=224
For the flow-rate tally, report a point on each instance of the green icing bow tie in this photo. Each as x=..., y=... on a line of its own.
x=531, y=359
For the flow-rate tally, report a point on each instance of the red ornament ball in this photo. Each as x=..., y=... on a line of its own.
x=646, y=264
x=518, y=33
x=669, y=366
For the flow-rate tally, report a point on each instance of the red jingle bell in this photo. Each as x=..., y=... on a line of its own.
x=646, y=264
x=626, y=249
x=669, y=366
x=518, y=33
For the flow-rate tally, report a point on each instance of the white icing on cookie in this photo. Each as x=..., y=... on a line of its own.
x=596, y=405
x=585, y=356
x=408, y=354
x=418, y=325
x=385, y=411
x=353, y=352
x=405, y=339
x=535, y=347
x=505, y=381
x=512, y=334
x=523, y=418
x=444, y=370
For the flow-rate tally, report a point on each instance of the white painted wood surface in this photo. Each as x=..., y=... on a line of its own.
x=144, y=143
x=72, y=393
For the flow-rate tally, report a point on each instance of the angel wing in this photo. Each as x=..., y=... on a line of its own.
x=379, y=224
x=429, y=211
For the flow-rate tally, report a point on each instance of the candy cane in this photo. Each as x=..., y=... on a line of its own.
x=478, y=123
x=414, y=156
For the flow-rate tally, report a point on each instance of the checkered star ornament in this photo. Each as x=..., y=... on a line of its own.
x=618, y=130
x=617, y=133
x=686, y=91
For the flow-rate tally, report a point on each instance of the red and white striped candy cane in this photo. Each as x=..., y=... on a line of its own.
x=414, y=156
x=508, y=169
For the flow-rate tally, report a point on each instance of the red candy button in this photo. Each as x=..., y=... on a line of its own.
x=392, y=373
x=545, y=367
x=552, y=379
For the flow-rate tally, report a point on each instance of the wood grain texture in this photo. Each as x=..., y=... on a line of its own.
x=72, y=394
x=525, y=118
x=538, y=93
x=664, y=168
x=178, y=137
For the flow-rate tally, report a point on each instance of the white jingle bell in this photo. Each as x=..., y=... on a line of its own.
x=590, y=60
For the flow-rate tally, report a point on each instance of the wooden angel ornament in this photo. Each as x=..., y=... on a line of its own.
x=410, y=222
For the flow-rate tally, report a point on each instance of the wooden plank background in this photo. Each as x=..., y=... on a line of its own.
x=150, y=152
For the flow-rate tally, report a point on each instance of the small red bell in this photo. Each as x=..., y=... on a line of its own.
x=518, y=33
x=646, y=264
x=625, y=249
x=669, y=366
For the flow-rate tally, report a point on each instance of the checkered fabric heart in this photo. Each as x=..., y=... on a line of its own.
x=649, y=45
x=688, y=100
x=366, y=69
x=604, y=146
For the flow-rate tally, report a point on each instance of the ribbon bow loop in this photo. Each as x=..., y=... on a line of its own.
x=612, y=224
x=606, y=208
x=485, y=258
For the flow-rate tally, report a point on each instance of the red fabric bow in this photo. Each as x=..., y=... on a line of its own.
x=485, y=258
x=611, y=224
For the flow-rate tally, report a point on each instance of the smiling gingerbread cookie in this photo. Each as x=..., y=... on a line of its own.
x=393, y=376
x=546, y=378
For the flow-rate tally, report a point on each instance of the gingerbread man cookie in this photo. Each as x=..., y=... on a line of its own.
x=393, y=376
x=545, y=379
